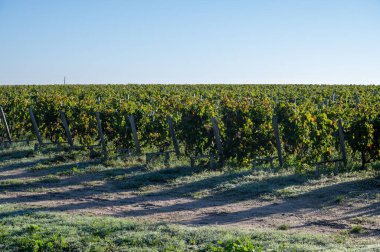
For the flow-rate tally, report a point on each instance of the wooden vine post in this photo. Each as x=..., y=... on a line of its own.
x=217, y=139
x=278, y=140
x=101, y=135
x=317, y=169
x=342, y=150
x=4, y=119
x=342, y=143
x=67, y=129
x=211, y=157
x=35, y=126
x=357, y=101
x=134, y=132
x=172, y=134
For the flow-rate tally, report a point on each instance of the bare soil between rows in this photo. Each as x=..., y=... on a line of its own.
x=306, y=213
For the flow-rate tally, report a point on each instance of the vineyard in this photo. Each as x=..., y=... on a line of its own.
x=307, y=118
x=246, y=168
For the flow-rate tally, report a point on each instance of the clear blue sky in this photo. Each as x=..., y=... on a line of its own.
x=189, y=41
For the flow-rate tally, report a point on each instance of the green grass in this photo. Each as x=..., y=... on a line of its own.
x=63, y=232
x=357, y=229
x=49, y=179
x=339, y=199
x=283, y=227
x=27, y=228
x=11, y=182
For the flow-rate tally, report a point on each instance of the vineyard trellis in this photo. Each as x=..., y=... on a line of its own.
x=311, y=120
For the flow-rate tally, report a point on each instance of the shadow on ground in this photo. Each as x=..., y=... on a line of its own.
x=221, y=190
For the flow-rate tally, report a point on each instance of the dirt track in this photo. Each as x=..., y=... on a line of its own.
x=92, y=194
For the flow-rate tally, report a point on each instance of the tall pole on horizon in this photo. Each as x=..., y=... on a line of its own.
x=64, y=79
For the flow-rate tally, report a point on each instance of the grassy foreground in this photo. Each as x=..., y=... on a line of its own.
x=63, y=232
x=28, y=180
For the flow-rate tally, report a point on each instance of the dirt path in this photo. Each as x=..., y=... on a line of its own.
x=96, y=195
